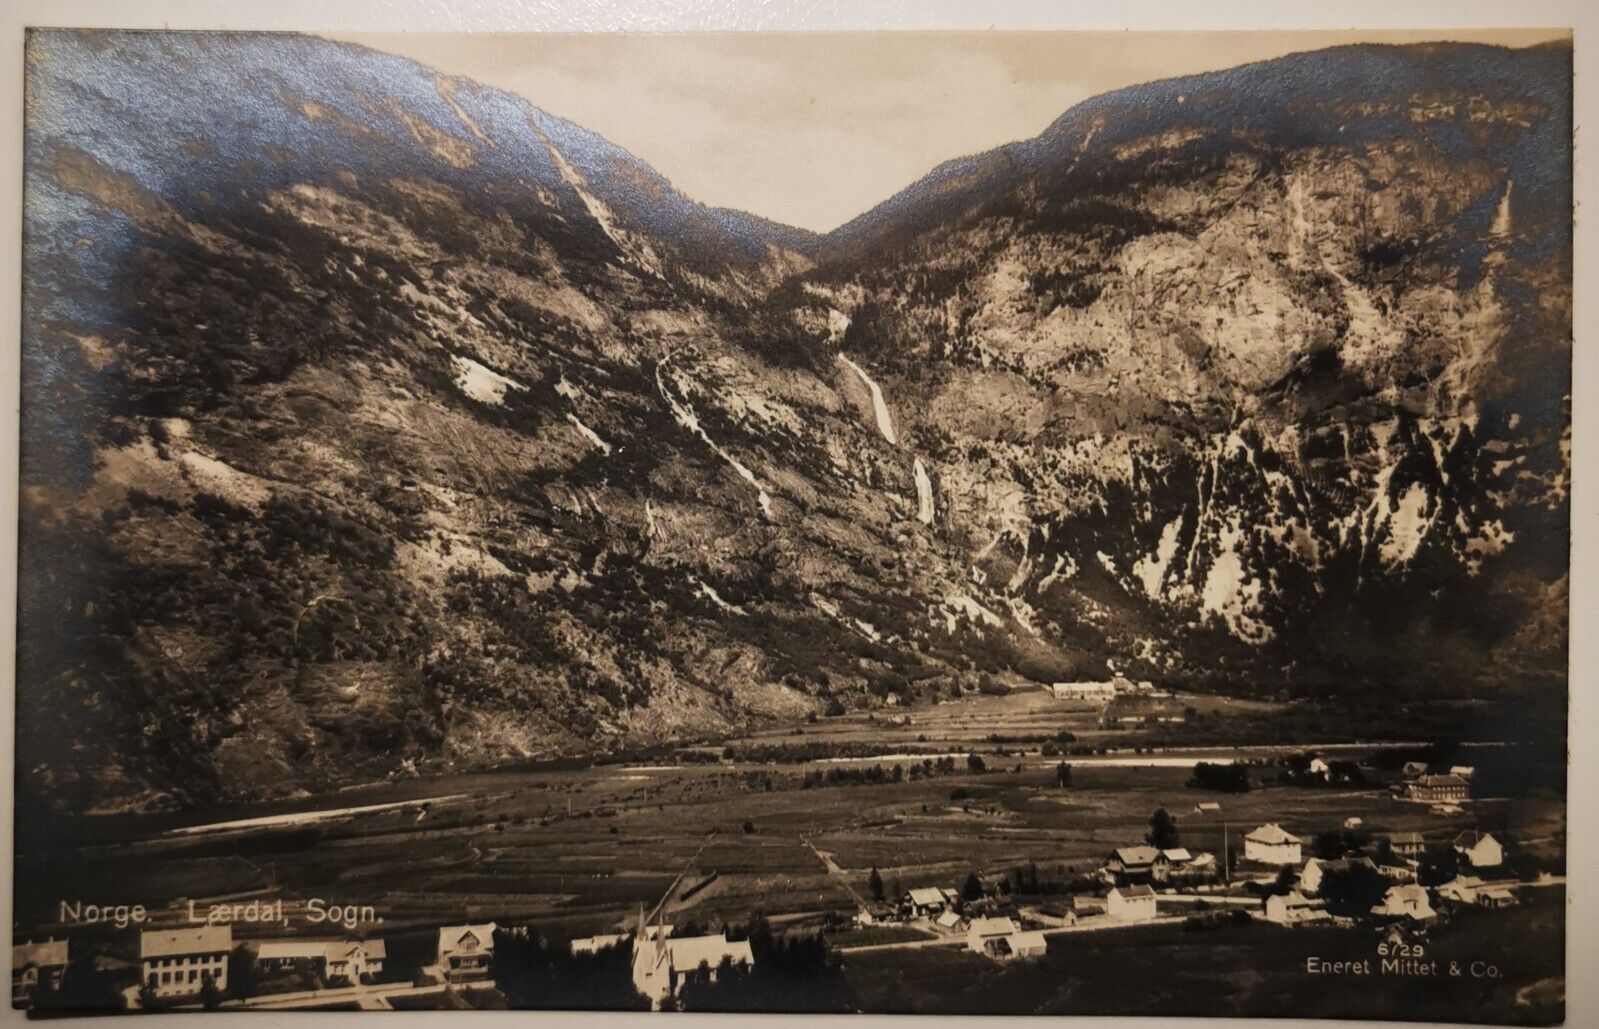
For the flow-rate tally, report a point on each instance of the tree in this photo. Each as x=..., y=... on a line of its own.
x=241, y=973
x=210, y=996
x=973, y=888
x=533, y=973
x=1162, y=830
x=1063, y=775
x=1224, y=778
x=1329, y=845
x=749, y=826
x=1354, y=890
x=975, y=763
x=874, y=882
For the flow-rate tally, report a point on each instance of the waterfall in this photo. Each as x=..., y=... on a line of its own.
x=1501, y=225
x=885, y=424
x=924, y=494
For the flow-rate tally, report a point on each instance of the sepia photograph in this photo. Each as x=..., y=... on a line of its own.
x=856, y=522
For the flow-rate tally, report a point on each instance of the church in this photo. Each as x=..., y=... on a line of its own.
x=661, y=961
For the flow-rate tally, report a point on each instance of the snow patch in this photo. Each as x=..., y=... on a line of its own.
x=481, y=383
x=1151, y=570
x=686, y=417
x=707, y=591
x=589, y=434
x=224, y=480
x=960, y=603
x=1227, y=595
x=1407, y=526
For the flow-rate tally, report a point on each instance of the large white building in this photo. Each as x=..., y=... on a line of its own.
x=662, y=962
x=1003, y=940
x=179, y=962
x=1131, y=904
x=1271, y=844
x=1479, y=850
x=1083, y=690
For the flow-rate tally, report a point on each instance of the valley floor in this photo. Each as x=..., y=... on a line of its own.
x=576, y=851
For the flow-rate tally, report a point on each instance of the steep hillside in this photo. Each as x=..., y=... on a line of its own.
x=379, y=421
x=1253, y=377
x=376, y=421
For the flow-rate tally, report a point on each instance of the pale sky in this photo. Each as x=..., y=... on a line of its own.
x=811, y=129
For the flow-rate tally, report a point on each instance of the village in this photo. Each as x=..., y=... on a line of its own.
x=1262, y=841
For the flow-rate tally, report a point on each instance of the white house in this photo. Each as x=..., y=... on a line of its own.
x=354, y=961
x=1131, y=904
x=1319, y=767
x=1001, y=939
x=1018, y=946
x=1173, y=861
x=1132, y=862
x=1497, y=897
x=179, y=962
x=36, y=966
x=1479, y=850
x=949, y=921
x=982, y=930
x=1272, y=845
x=662, y=962
x=1407, y=844
x=926, y=900
x=464, y=951
x=1405, y=901
x=1294, y=908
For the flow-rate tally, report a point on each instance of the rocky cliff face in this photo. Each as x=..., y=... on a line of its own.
x=1254, y=376
x=375, y=420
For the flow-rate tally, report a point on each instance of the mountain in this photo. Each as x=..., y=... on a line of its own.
x=376, y=421
x=1263, y=367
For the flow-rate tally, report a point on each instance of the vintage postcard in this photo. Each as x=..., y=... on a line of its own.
x=938, y=523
